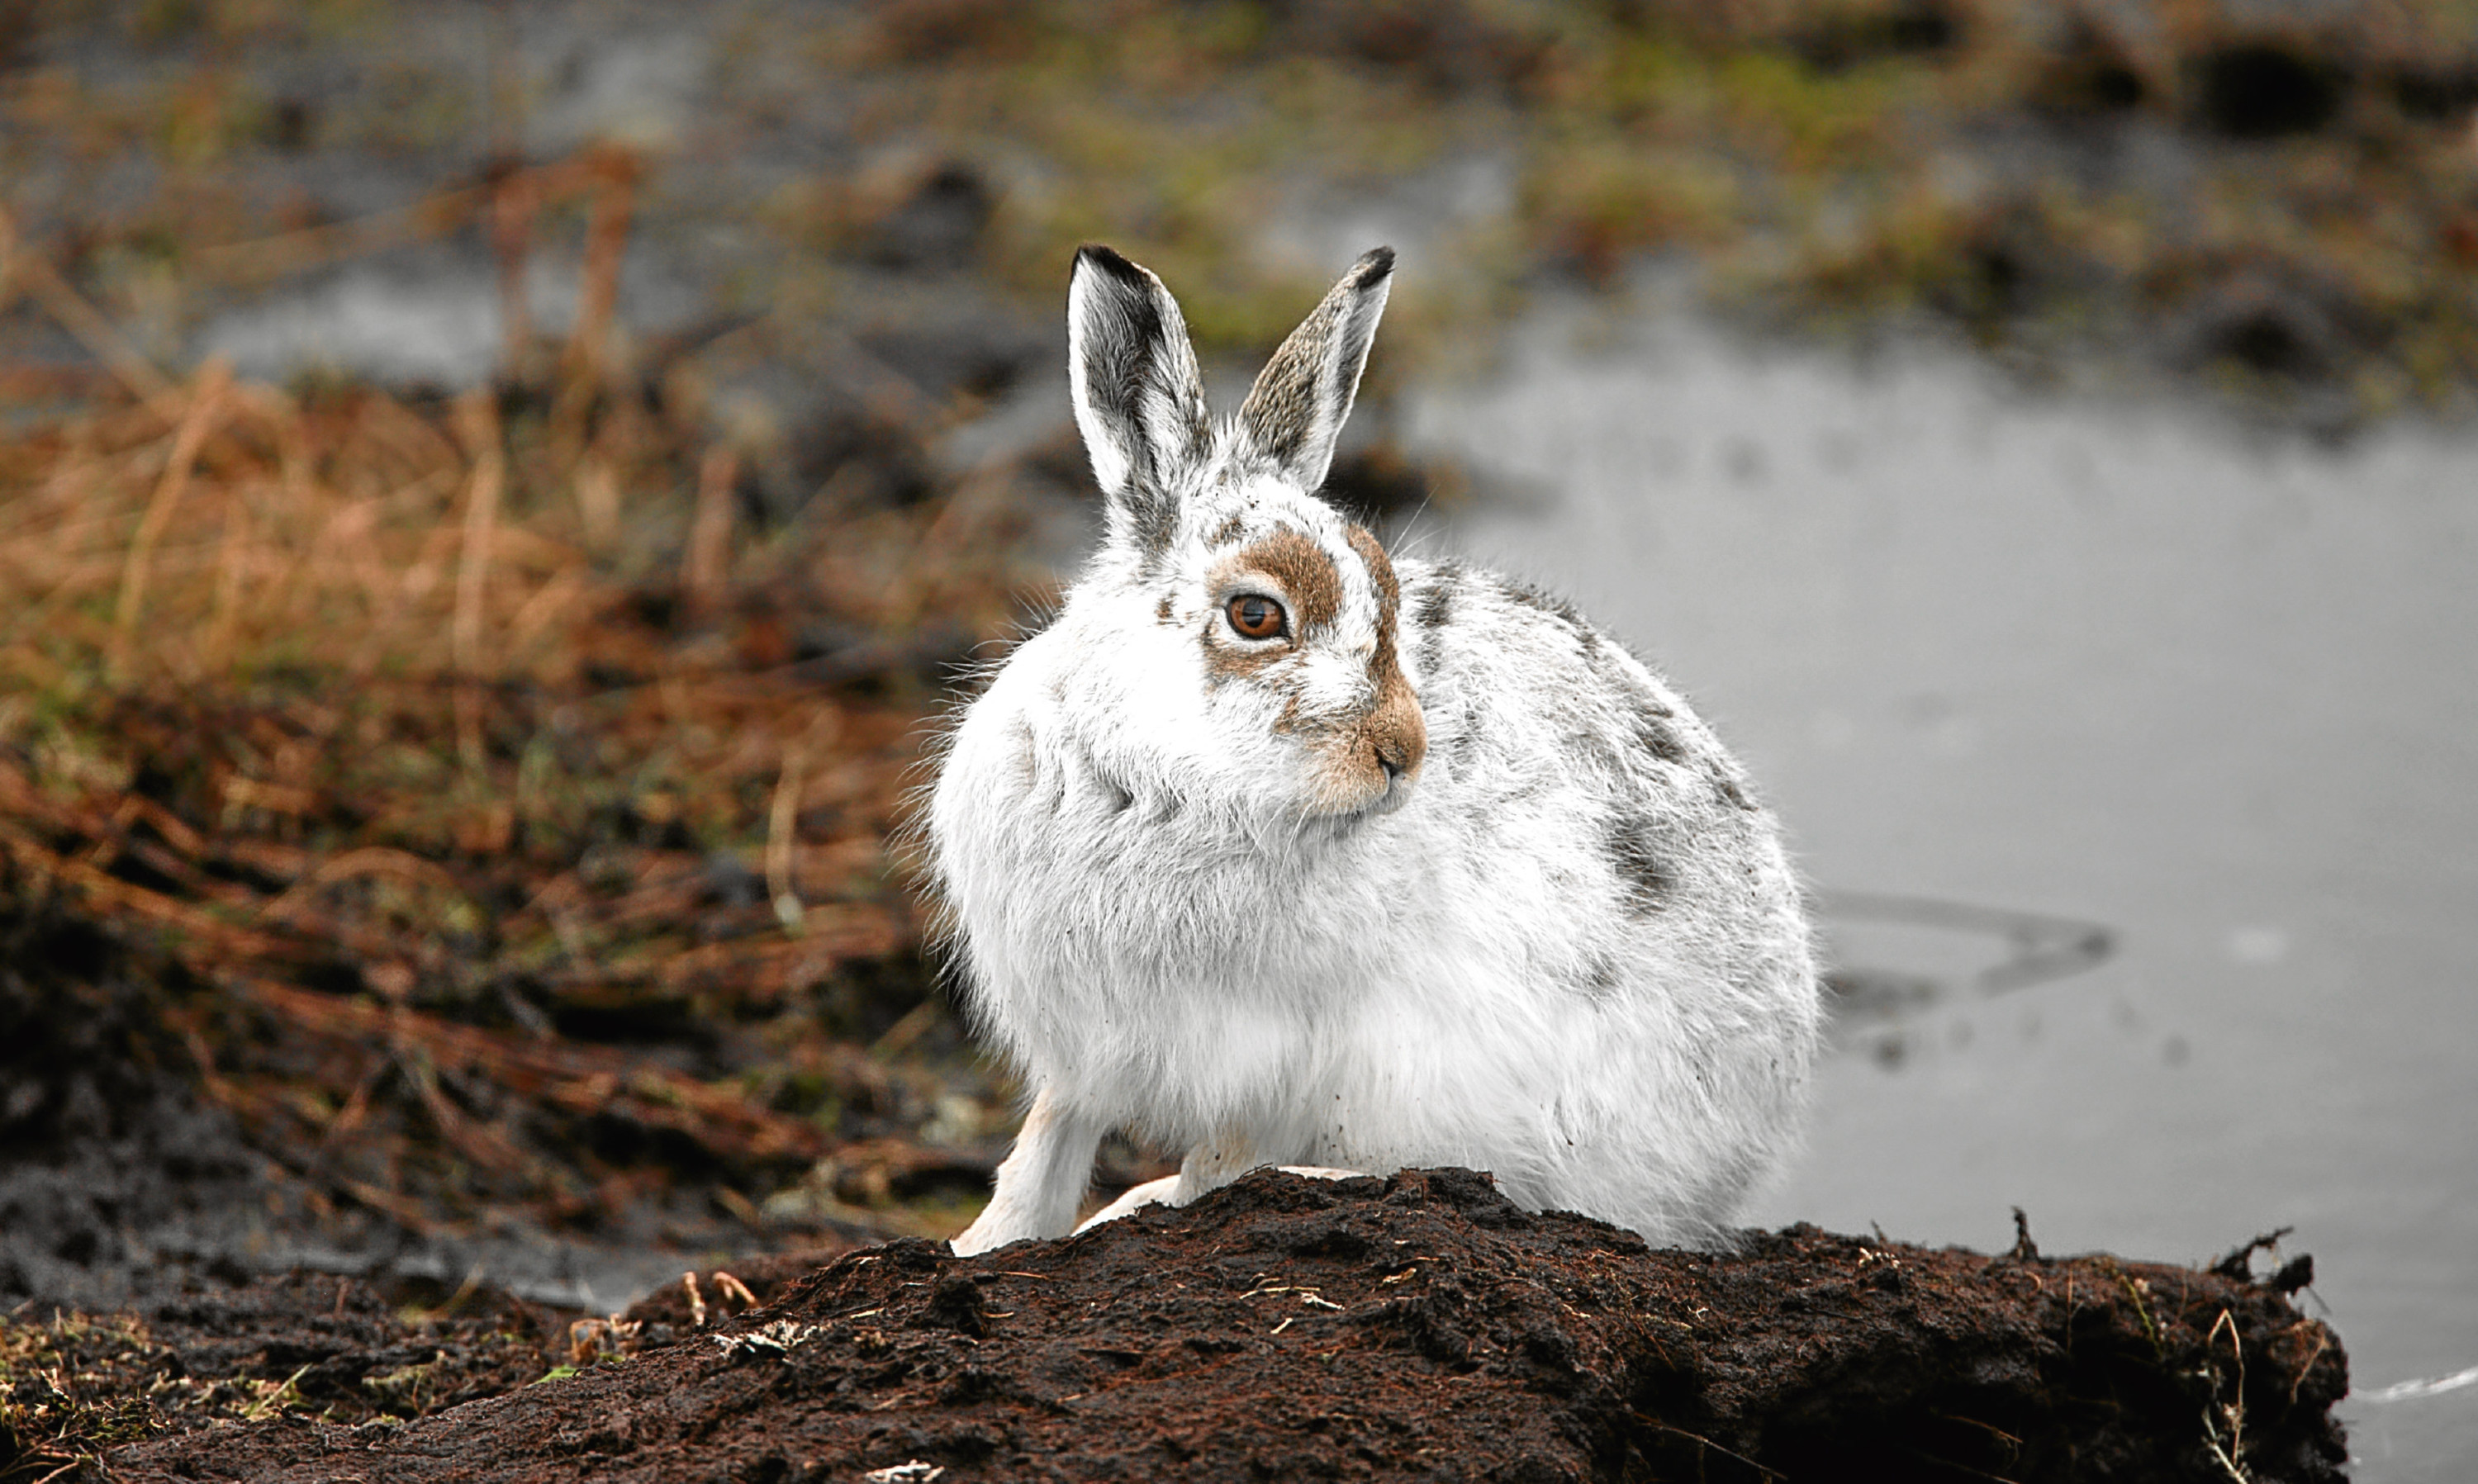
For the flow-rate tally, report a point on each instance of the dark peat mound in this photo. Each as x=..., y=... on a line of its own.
x=1415, y=1327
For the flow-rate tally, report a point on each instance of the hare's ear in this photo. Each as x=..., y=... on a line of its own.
x=1295, y=410
x=1139, y=402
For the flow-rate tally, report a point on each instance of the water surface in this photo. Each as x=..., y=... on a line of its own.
x=2114, y=663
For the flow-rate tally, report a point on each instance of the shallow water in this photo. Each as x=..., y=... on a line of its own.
x=2119, y=663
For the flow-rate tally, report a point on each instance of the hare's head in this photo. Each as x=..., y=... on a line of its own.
x=1217, y=533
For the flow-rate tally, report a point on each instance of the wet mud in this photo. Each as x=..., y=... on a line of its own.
x=1414, y=1327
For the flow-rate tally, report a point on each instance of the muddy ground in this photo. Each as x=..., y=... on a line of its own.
x=1413, y=1327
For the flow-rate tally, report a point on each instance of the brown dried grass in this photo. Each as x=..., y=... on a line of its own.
x=417, y=733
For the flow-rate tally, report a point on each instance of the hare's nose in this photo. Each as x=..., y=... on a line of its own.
x=1398, y=753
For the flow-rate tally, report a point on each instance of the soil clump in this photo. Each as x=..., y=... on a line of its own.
x=1413, y=1327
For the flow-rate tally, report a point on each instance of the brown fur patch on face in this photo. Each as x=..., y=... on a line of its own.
x=1226, y=531
x=1307, y=575
x=1391, y=738
x=1310, y=590
x=1359, y=756
x=1380, y=571
x=1395, y=731
x=1161, y=610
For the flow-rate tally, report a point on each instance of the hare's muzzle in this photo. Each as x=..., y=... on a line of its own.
x=1396, y=735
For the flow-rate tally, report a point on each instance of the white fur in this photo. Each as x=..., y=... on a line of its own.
x=1154, y=927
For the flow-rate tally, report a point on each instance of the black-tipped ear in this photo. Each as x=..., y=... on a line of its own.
x=1139, y=401
x=1295, y=410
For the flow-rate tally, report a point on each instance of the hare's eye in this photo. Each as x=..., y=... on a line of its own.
x=1255, y=617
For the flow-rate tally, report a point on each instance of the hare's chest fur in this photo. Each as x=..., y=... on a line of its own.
x=1125, y=895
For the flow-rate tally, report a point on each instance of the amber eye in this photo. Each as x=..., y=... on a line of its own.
x=1252, y=616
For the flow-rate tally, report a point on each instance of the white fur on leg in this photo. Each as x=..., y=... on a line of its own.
x=1322, y=1172
x=1163, y=1190
x=1041, y=1181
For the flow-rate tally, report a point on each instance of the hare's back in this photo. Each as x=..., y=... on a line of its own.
x=1571, y=767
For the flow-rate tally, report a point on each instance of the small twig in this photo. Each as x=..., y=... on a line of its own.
x=1703, y=1442
x=2237, y=1263
x=2025, y=1251
x=2231, y=1411
x=62, y=1468
x=2306, y=1367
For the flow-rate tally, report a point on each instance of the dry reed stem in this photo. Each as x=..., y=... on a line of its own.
x=588, y=364
x=390, y=593
x=516, y=201
x=477, y=415
x=598, y=499
x=606, y=245
x=232, y=553
x=100, y=336
x=708, y=558
x=223, y=937
x=580, y=1078
x=29, y=272
x=263, y=259
x=259, y=260
x=782, y=817
x=197, y=420
x=549, y=604
x=366, y=861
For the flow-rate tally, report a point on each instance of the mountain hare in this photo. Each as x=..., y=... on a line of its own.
x=1277, y=850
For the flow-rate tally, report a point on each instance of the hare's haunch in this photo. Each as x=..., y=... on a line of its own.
x=1277, y=850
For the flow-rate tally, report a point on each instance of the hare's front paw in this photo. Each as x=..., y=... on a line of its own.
x=1040, y=1182
x=1151, y=1193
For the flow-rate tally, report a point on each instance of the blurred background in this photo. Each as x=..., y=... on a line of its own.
x=492, y=497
